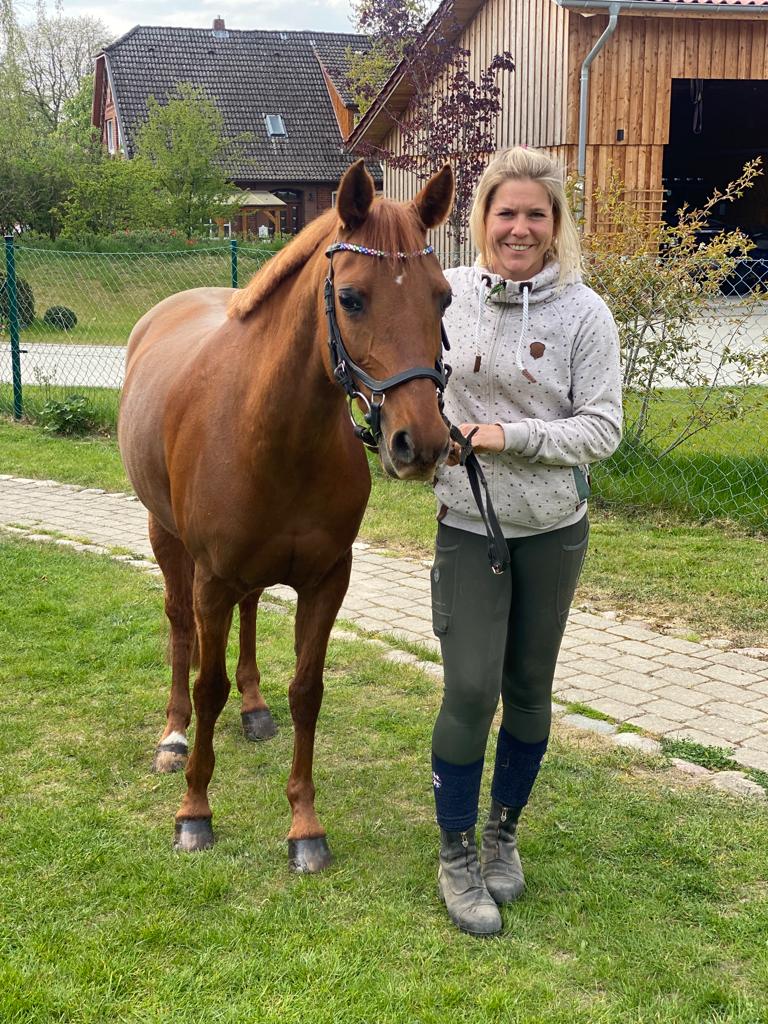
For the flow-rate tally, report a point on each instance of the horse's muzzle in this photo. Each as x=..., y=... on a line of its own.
x=403, y=458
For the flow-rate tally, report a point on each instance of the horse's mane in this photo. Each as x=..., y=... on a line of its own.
x=389, y=227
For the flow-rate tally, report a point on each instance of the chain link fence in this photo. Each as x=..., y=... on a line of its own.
x=695, y=364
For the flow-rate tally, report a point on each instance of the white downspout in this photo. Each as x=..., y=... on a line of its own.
x=610, y=28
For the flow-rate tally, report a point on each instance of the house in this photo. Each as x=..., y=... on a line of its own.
x=671, y=94
x=285, y=89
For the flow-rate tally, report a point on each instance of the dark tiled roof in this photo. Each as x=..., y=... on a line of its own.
x=334, y=60
x=248, y=74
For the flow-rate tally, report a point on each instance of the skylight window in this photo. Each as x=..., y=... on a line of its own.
x=275, y=125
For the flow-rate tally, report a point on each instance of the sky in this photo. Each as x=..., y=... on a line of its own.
x=314, y=15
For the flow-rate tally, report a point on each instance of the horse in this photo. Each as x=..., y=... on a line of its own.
x=236, y=431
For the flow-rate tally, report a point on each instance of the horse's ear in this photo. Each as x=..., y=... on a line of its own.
x=434, y=202
x=355, y=196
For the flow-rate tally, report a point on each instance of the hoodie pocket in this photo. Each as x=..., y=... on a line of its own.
x=443, y=581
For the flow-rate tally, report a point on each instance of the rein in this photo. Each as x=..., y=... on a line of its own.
x=347, y=373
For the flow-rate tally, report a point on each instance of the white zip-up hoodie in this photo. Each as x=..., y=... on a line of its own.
x=549, y=374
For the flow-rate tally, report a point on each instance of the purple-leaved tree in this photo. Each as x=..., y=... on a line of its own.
x=451, y=116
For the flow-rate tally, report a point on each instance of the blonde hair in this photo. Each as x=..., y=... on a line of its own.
x=519, y=164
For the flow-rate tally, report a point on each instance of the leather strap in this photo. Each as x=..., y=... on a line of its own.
x=498, y=552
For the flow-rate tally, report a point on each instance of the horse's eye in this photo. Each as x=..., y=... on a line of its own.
x=446, y=300
x=351, y=301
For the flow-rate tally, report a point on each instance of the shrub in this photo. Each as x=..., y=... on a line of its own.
x=72, y=416
x=61, y=317
x=25, y=301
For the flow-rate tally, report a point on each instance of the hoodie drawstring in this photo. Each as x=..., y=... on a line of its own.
x=484, y=280
x=525, y=288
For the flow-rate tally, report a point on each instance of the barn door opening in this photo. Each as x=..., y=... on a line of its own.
x=716, y=126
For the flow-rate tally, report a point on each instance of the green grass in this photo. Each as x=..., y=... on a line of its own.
x=646, y=899
x=710, y=579
x=103, y=402
x=719, y=473
x=110, y=292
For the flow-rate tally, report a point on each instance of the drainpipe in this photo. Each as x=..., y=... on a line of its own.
x=610, y=28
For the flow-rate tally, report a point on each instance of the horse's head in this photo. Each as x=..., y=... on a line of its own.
x=385, y=301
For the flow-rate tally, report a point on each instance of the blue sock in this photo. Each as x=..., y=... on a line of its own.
x=457, y=792
x=517, y=765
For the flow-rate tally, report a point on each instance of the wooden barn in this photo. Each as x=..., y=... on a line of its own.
x=285, y=90
x=671, y=94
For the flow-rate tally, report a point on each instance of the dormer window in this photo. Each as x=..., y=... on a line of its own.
x=111, y=147
x=275, y=125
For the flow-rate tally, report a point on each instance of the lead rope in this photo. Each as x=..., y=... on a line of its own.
x=498, y=552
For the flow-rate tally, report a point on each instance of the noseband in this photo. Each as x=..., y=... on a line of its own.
x=349, y=375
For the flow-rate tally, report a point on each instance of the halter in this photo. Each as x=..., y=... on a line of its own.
x=347, y=373
x=350, y=375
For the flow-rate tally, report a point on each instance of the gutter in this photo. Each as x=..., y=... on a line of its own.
x=692, y=9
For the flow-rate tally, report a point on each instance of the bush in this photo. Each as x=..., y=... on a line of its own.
x=25, y=301
x=61, y=317
x=72, y=416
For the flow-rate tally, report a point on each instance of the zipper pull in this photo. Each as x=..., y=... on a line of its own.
x=464, y=840
x=504, y=813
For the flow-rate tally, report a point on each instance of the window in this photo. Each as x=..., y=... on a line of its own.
x=111, y=136
x=275, y=125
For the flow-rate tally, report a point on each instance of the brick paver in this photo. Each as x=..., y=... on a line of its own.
x=664, y=685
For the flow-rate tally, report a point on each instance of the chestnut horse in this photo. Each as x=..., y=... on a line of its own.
x=235, y=433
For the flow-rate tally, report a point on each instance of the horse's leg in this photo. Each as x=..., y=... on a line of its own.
x=258, y=723
x=315, y=614
x=213, y=602
x=178, y=572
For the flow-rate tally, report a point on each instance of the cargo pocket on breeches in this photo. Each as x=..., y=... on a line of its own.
x=571, y=563
x=443, y=580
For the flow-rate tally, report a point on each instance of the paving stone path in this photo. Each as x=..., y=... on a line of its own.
x=666, y=686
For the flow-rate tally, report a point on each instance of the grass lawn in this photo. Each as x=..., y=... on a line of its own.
x=109, y=292
x=711, y=580
x=646, y=900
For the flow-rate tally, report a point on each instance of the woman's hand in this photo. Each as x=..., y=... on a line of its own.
x=488, y=437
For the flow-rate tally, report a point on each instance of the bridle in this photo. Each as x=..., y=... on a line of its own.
x=347, y=372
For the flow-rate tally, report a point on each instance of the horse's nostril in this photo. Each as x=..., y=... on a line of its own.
x=402, y=447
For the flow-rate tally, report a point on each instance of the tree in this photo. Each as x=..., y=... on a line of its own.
x=113, y=195
x=452, y=117
x=662, y=283
x=184, y=142
x=55, y=54
x=38, y=162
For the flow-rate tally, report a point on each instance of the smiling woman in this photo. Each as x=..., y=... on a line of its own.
x=536, y=387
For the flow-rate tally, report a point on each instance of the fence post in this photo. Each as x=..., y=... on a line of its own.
x=233, y=260
x=13, y=325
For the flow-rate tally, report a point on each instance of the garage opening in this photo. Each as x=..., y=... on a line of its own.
x=716, y=126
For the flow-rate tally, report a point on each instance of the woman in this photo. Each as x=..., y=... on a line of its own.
x=535, y=358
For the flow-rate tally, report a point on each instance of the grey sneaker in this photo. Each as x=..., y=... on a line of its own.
x=502, y=870
x=461, y=885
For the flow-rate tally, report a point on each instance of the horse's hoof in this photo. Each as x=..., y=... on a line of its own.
x=193, y=834
x=259, y=725
x=308, y=856
x=169, y=757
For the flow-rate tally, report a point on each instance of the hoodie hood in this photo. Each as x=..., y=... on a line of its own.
x=496, y=289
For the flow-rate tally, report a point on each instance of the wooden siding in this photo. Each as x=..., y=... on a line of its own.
x=344, y=115
x=631, y=83
x=533, y=97
x=630, y=86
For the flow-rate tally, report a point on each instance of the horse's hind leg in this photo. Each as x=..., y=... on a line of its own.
x=178, y=572
x=315, y=614
x=258, y=723
x=214, y=602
